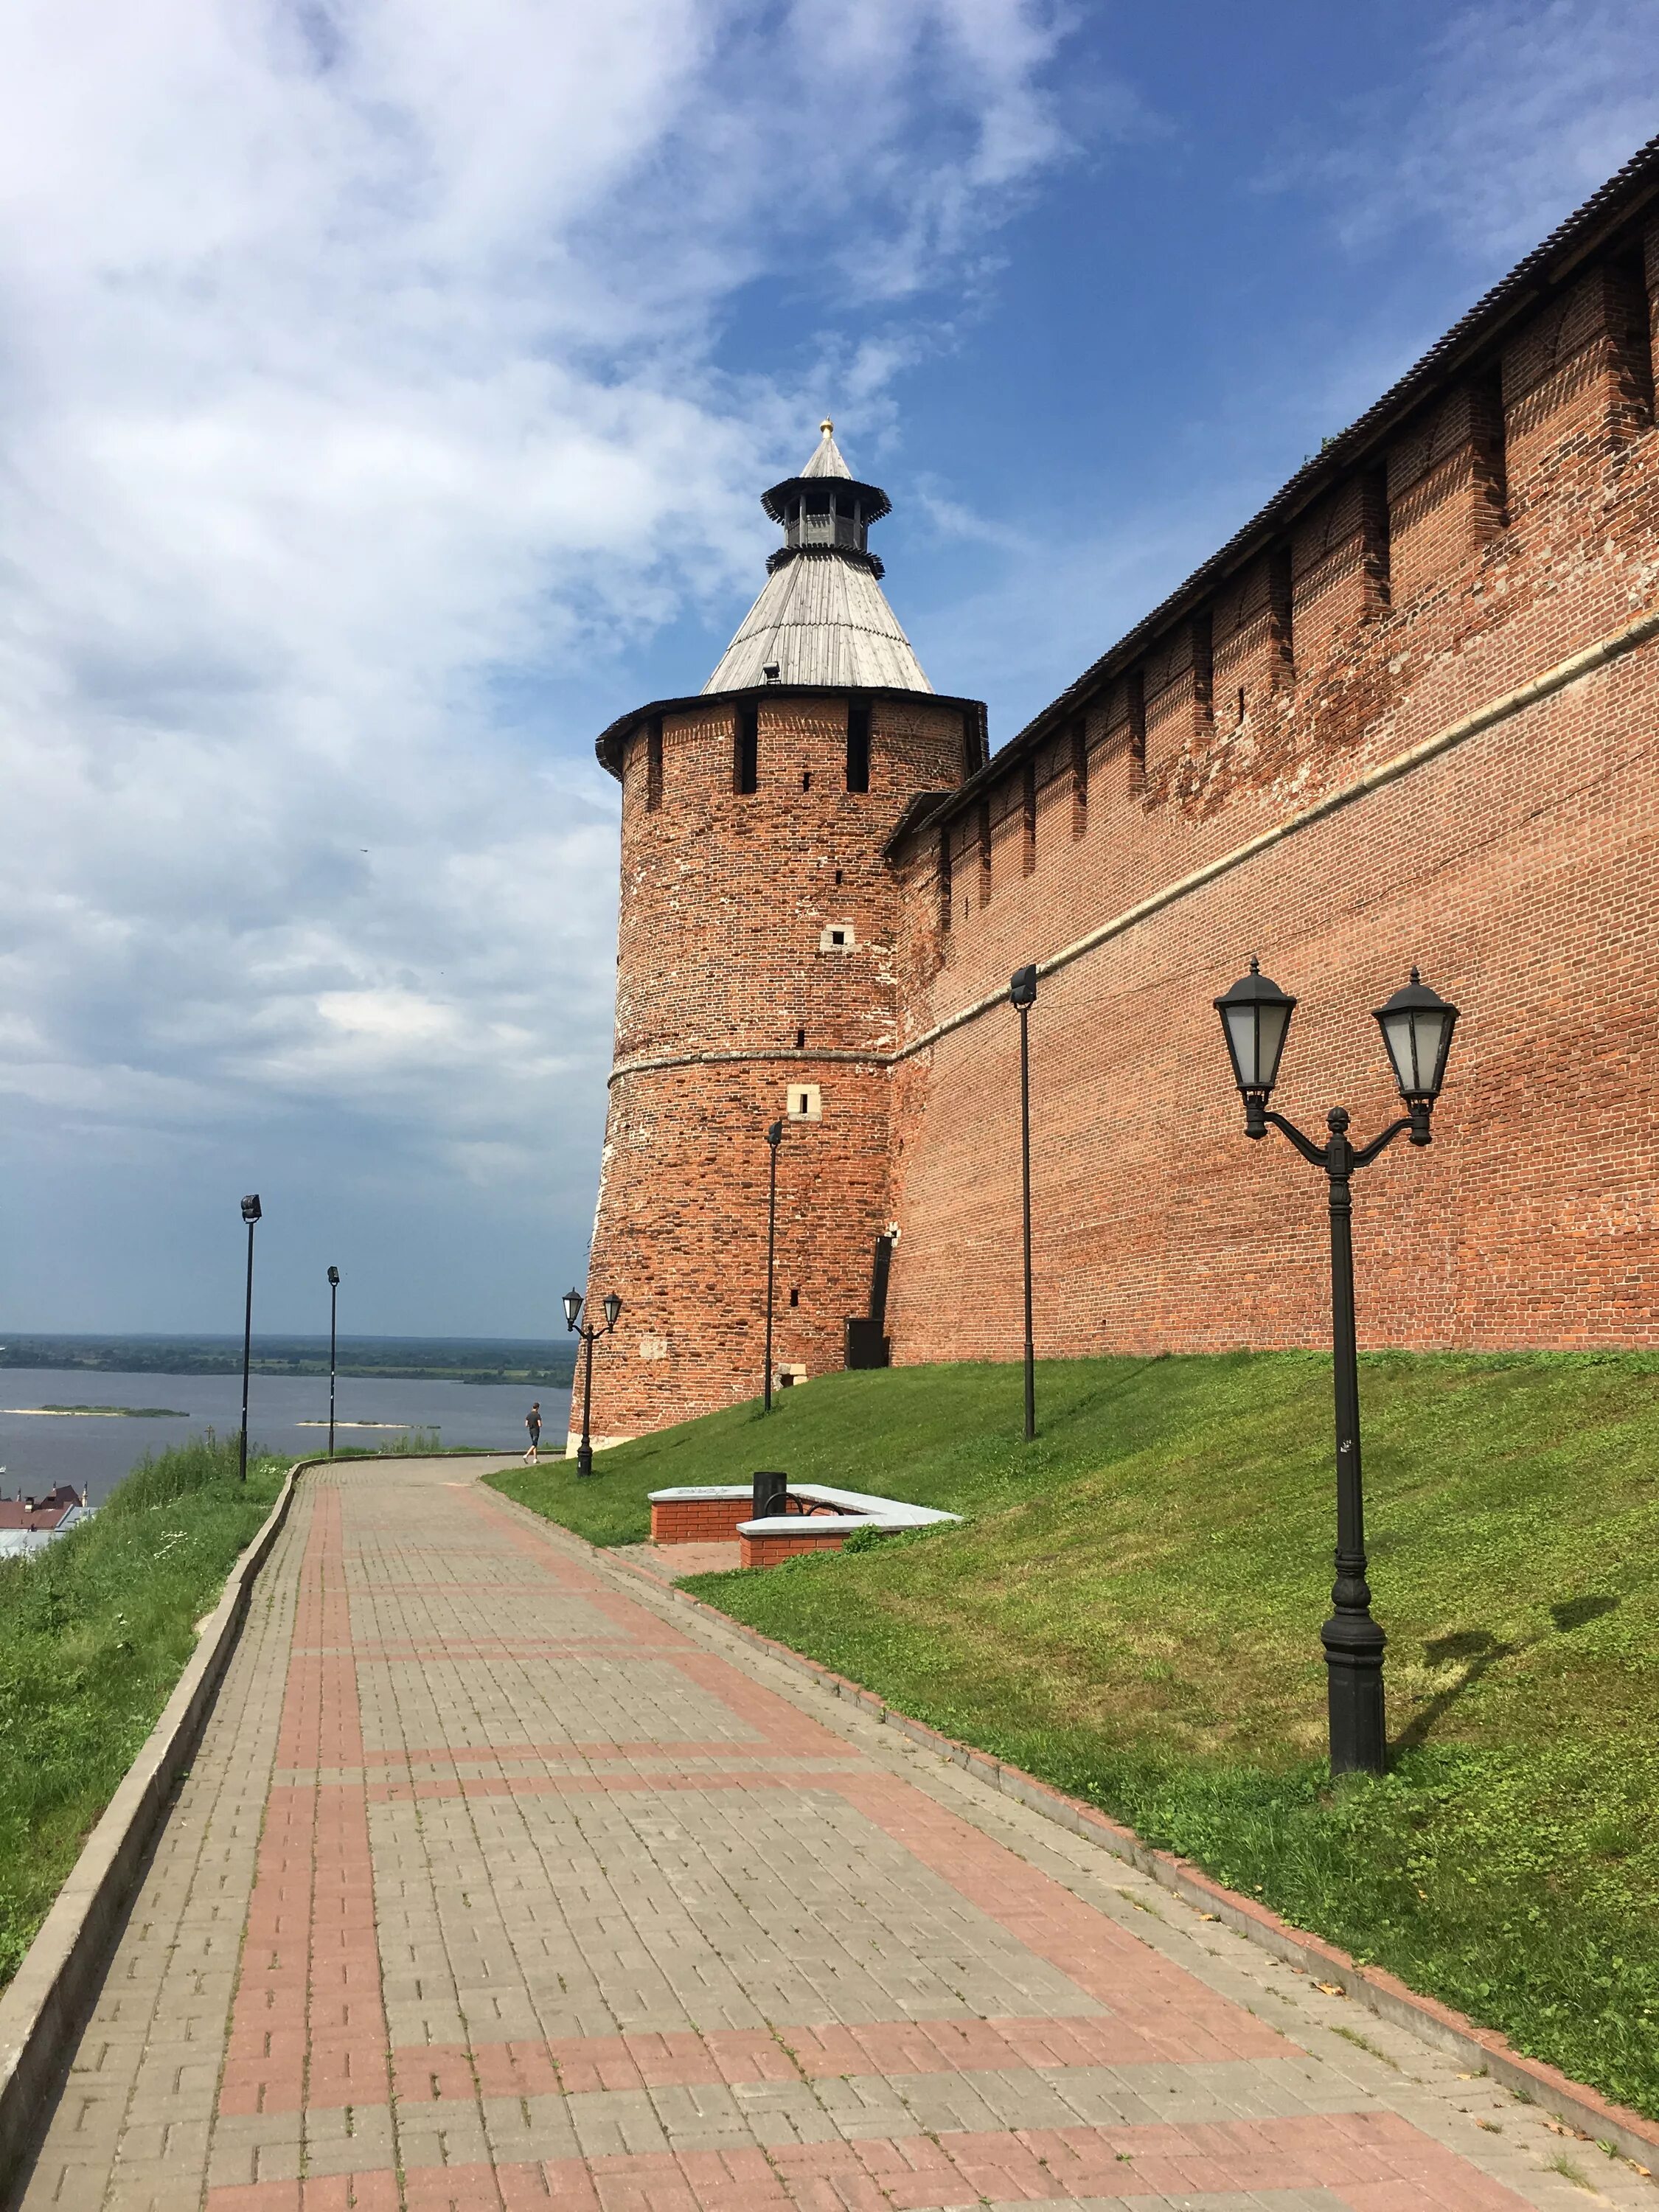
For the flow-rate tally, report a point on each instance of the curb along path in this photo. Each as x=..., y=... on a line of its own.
x=492, y=1886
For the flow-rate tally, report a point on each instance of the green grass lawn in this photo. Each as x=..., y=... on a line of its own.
x=1132, y=1610
x=95, y=1631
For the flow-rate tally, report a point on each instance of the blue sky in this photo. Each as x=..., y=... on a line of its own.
x=384, y=395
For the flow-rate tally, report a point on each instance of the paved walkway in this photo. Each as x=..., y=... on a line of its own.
x=501, y=1882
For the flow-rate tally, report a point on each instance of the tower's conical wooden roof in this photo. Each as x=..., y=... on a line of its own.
x=823, y=616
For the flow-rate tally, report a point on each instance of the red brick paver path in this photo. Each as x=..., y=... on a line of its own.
x=499, y=1884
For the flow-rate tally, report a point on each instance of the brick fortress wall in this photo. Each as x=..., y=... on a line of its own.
x=1237, y=778
x=730, y=997
x=1505, y=526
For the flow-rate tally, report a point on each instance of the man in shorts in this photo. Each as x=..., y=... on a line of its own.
x=533, y=1421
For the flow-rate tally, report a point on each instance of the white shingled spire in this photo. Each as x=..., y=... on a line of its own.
x=823, y=616
x=827, y=460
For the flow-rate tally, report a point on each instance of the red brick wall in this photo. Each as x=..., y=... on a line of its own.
x=1511, y=522
x=1519, y=869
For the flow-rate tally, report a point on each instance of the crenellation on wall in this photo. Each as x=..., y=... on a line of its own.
x=1446, y=480
x=1569, y=390
x=1251, y=631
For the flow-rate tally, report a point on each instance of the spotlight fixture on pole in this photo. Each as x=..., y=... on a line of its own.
x=612, y=1306
x=333, y=1311
x=1021, y=993
x=250, y=1214
x=1417, y=1028
x=774, y=1139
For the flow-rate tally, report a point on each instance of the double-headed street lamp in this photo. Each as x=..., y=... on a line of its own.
x=250, y=1214
x=1417, y=1031
x=572, y=1307
x=1021, y=993
x=333, y=1311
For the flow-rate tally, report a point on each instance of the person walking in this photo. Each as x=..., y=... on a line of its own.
x=533, y=1421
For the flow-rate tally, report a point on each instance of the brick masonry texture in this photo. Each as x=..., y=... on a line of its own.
x=1508, y=522
x=772, y=1550
x=699, y=1521
x=492, y=1886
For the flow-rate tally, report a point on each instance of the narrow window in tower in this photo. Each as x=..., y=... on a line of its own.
x=745, y=750
x=806, y=778
x=1240, y=716
x=1374, y=551
x=1487, y=440
x=838, y=875
x=801, y=1040
x=1629, y=327
x=1200, y=633
x=653, y=763
x=1280, y=628
x=1079, y=776
x=794, y=1297
x=857, y=747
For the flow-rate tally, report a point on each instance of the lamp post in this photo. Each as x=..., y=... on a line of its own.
x=333, y=1311
x=1022, y=992
x=774, y=1139
x=1416, y=1031
x=250, y=1214
x=573, y=1320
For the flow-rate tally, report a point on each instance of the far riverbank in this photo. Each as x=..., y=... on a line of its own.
x=41, y=1449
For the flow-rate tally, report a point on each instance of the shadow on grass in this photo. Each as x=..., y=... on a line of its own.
x=1483, y=1651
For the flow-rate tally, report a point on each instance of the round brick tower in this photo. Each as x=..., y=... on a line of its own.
x=755, y=976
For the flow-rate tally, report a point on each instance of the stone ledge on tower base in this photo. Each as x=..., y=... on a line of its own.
x=573, y=1442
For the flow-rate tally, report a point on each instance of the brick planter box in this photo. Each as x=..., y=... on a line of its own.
x=700, y=1517
x=719, y=1512
x=762, y=1546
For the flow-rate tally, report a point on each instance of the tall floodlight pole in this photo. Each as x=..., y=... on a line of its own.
x=774, y=1139
x=587, y=1334
x=250, y=1214
x=333, y=1312
x=1417, y=1028
x=1022, y=992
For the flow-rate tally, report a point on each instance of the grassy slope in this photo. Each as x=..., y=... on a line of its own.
x=93, y=1633
x=1133, y=1611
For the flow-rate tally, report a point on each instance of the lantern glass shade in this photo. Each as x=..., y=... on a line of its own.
x=1021, y=986
x=1256, y=1015
x=251, y=1207
x=1417, y=1026
x=334, y=1278
x=572, y=1306
x=612, y=1310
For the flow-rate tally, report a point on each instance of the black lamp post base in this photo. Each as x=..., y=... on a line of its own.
x=1353, y=1662
x=584, y=1459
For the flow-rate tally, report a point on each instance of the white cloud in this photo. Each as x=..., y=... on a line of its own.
x=1516, y=112
x=358, y=399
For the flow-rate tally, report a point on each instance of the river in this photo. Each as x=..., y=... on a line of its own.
x=41, y=1451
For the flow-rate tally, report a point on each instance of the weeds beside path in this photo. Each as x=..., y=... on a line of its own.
x=95, y=1631
x=1132, y=1611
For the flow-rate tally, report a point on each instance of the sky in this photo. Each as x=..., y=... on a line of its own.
x=386, y=388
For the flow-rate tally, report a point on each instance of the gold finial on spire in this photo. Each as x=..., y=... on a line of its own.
x=826, y=426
